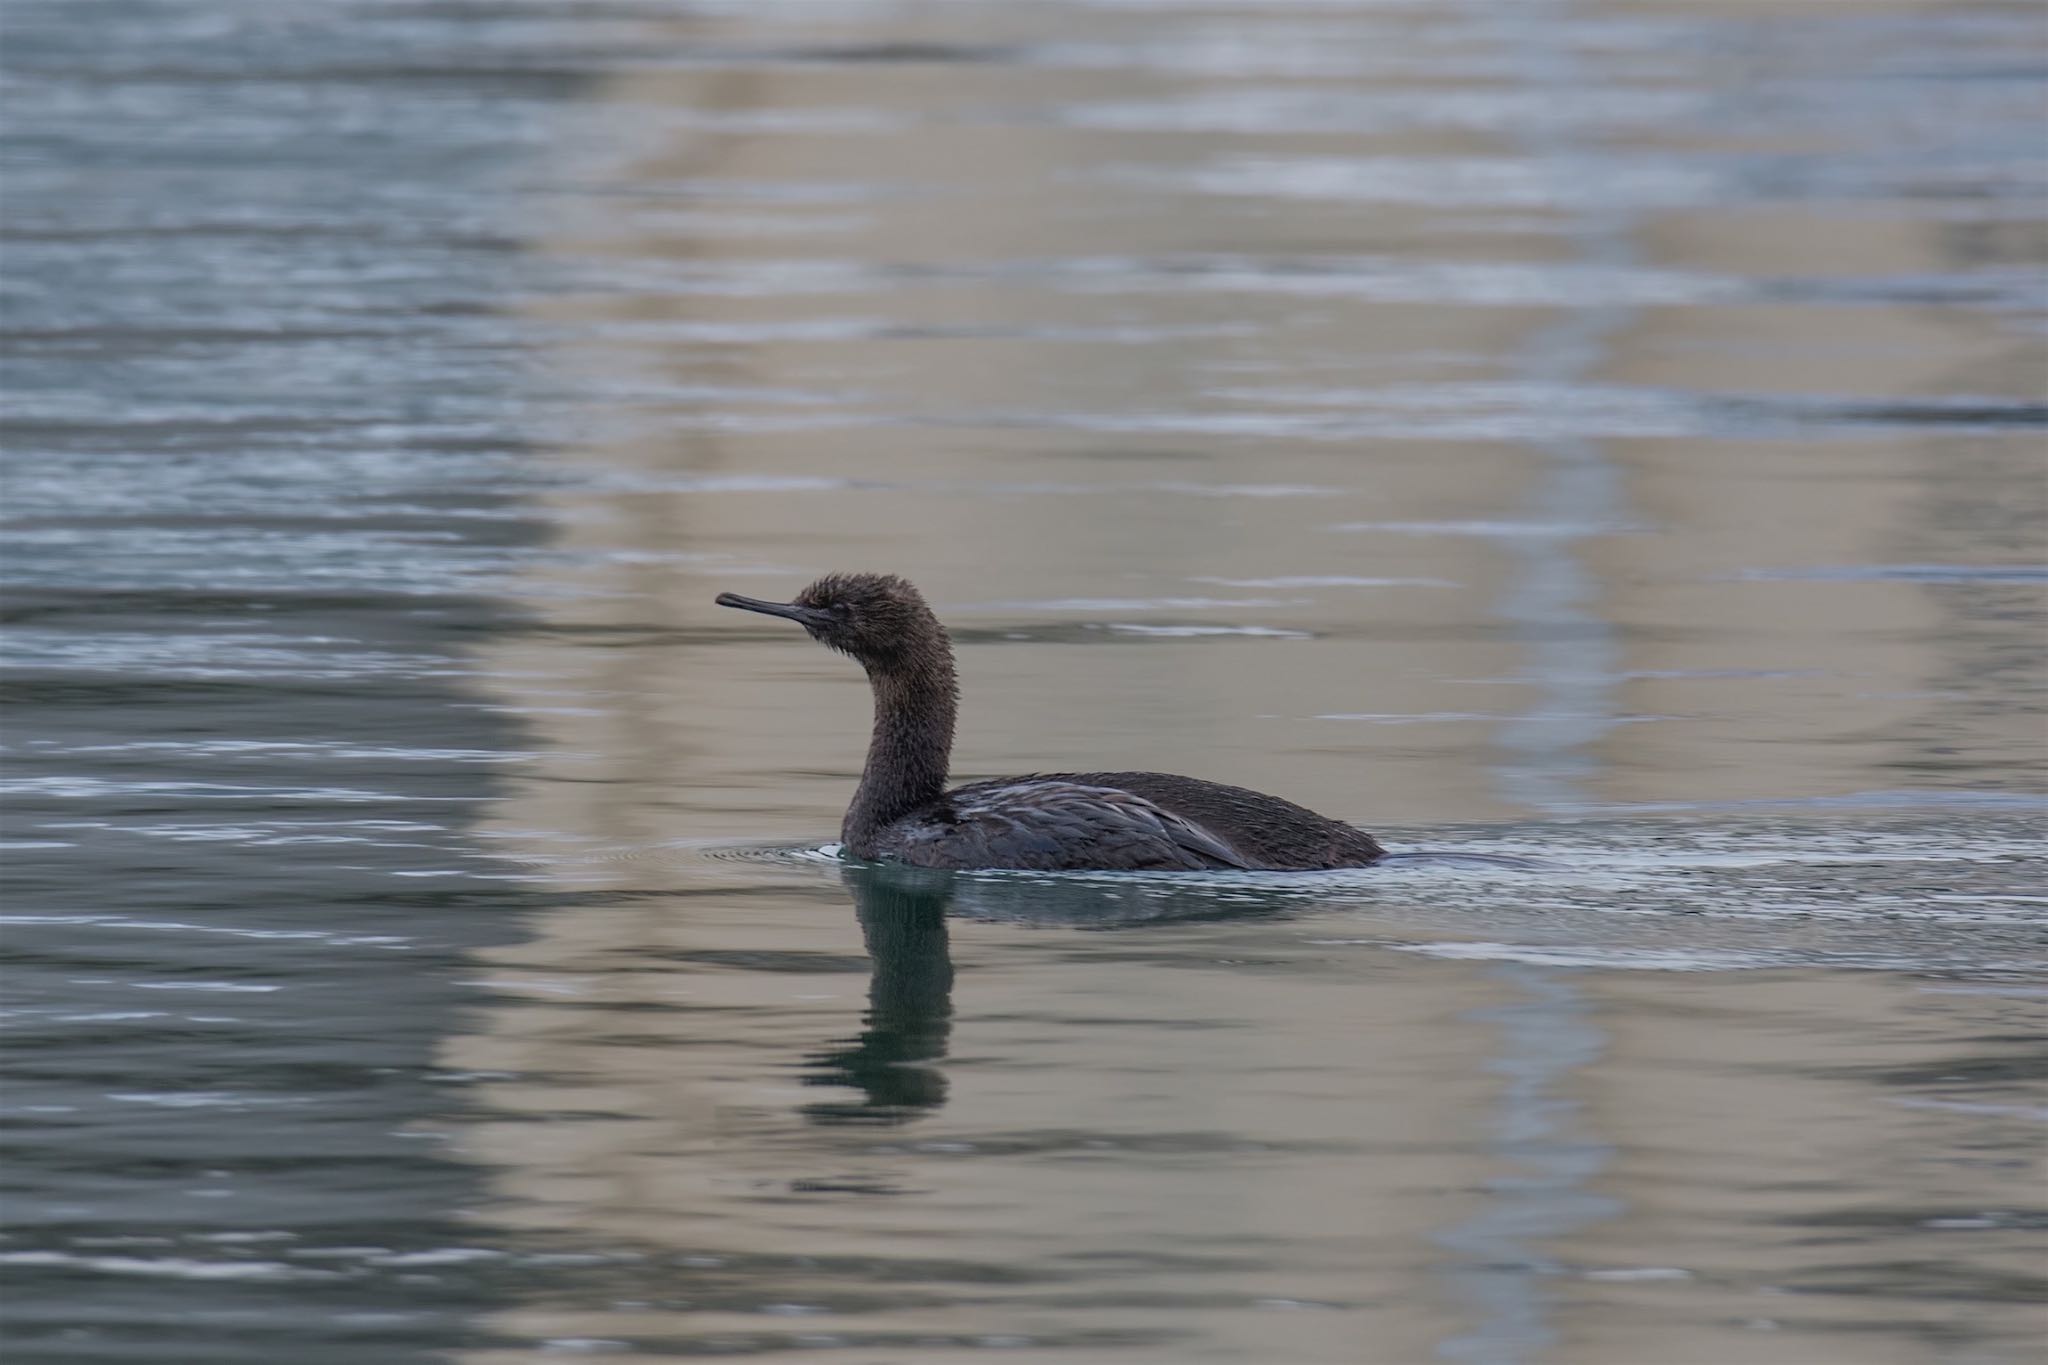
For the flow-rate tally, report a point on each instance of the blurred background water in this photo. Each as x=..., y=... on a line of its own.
x=1606, y=432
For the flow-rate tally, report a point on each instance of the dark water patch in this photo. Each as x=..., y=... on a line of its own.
x=242, y=902
x=1980, y=414
x=1906, y=573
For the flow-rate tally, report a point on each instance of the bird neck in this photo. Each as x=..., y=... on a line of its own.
x=912, y=744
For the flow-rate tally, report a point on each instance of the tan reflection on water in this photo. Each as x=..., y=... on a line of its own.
x=1230, y=1143
x=1128, y=1142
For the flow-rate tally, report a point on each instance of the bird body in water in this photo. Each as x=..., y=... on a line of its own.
x=1049, y=822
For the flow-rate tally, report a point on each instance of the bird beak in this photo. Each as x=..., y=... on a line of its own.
x=787, y=610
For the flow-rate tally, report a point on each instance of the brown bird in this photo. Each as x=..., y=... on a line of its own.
x=902, y=812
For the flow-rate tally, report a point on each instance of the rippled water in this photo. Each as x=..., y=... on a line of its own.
x=1595, y=446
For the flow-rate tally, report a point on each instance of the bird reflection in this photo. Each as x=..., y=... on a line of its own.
x=903, y=910
x=893, y=1063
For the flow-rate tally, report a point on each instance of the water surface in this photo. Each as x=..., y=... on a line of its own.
x=1595, y=446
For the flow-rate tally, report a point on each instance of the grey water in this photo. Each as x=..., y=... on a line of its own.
x=1595, y=446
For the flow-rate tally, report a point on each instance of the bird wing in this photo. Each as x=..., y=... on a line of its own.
x=1050, y=826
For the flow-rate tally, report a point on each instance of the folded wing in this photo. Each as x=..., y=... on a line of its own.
x=1050, y=826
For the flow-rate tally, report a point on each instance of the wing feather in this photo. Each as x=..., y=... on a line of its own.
x=1047, y=825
